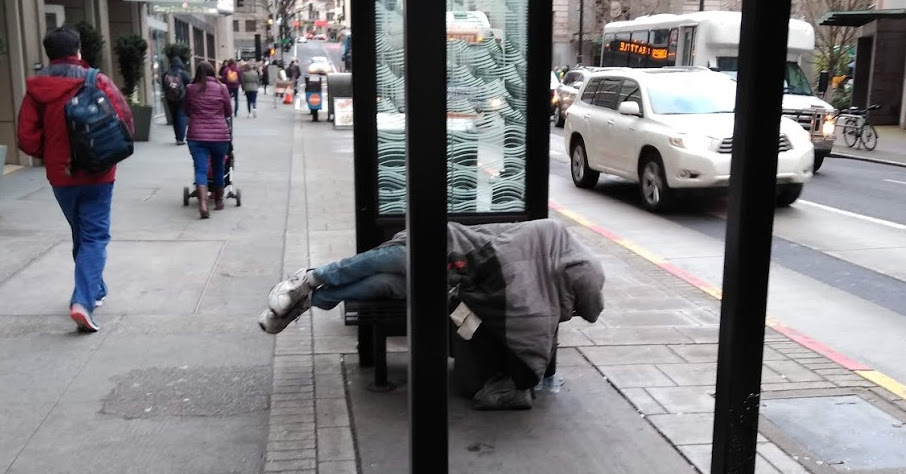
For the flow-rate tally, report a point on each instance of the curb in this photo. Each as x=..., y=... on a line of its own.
x=860, y=369
x=870, y=160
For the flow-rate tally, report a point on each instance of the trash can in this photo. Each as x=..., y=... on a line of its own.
x=339, y=85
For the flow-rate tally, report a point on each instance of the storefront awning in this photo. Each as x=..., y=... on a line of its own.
x=859, y=18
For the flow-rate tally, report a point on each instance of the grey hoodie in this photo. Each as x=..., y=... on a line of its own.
x=523, y=279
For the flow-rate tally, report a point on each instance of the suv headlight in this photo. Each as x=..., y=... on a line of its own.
x=694, y=142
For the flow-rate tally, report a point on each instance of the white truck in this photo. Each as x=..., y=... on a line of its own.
x=711, y=39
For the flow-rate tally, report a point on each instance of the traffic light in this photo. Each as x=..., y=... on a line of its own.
x=271, y=52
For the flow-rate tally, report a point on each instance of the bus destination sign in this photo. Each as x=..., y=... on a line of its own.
x=639, y=49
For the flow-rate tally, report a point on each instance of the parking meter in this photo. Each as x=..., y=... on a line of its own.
x=313, y=97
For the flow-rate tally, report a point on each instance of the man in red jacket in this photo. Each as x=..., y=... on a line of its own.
x=84, y=198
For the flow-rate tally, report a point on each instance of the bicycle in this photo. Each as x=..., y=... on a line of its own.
x=857, y=128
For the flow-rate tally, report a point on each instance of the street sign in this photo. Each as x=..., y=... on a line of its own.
x=203, y=7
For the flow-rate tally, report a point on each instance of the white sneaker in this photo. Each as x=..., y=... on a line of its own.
x=272, y=323
x=287, y=293
x=254, y=112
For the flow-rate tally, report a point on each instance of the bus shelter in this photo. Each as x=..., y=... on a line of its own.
x=452, y=123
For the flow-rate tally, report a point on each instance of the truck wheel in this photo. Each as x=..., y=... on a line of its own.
x=819, y=160
x=788, y=194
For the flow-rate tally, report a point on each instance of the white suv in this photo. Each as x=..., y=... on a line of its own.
x=669, y=129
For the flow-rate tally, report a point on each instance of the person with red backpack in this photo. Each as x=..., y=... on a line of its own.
x=232, y=77
x=175, y=82
x=84, y=197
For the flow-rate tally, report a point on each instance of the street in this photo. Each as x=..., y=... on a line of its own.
x=838, y=258
x=305, y=51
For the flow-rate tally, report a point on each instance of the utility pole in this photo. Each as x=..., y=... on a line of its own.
x=581, y=28
x=701, y=5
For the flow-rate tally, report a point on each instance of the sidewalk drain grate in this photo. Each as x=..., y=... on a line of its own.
x=845, y=432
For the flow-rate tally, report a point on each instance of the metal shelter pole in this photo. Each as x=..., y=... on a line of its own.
x=538, y=124
x=426, y=221
x=750, y=219
x=581, y=28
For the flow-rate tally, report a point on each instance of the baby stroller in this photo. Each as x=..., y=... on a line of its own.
x=229, y=191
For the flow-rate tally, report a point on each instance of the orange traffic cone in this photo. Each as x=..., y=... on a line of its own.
x=288, y=96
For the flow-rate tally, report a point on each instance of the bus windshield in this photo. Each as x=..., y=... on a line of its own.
x=691, y=93
x=794, y=82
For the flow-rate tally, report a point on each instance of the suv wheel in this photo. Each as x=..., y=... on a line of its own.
x=788, y=194
x=558, y=116
x=656, y=193
x=583, y=176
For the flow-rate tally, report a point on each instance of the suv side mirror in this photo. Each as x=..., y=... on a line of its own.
x=823, y=80
x=630, y=108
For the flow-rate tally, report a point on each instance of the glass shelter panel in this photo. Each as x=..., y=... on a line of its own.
x=486, y=106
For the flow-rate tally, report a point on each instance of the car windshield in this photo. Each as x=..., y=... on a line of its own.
x=795, y=81
x=319, y=59
x=691, y=93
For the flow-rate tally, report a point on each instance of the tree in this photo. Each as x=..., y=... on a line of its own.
x=92, y=44
x=833, y=42
x=131, y=51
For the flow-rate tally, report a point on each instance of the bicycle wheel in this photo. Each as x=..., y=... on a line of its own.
x=850, y=131
x=869, y=137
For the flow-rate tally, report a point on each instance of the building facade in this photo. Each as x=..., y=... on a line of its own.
x=23, y=24
x=249, y=20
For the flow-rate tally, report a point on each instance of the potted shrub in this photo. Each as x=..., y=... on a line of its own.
x=131, y=52
x=92, y=44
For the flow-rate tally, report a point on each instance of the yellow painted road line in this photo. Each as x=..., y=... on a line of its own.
x=885, y=382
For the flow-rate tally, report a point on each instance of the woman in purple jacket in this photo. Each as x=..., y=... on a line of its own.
x=207, y=104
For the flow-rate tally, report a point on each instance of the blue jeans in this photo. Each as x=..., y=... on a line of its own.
x=202, y=154
x=87, y=208
x=234, y=93
x=251, y=98
x=179, y=120
x=375, y=274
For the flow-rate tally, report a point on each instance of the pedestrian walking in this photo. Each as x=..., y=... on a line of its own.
x=265, y=75
x=84, y=198
x=294, y=73
x=232, y=77
x=207, y=105
x=250, y=84
x=175, y=82
x=281, y=76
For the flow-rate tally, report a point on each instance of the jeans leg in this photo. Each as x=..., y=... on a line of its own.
x=200, y=156
x=390, y=259
x=377, y=286
x=218, y=152
x=180, y=122
x=253, y=98
x=93, y=219
x=248, y=101
x=68, y=199
x=235, y=94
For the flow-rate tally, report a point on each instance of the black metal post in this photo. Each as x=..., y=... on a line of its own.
x=701, y=5
x=750, y=219
x=426, y=221
x=581, y=30
x=538, y=124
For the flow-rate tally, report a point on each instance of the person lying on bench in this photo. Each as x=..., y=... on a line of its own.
x=520, y=280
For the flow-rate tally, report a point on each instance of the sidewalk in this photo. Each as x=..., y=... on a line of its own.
x=181, y=380
x=178, y=380
x=891, y=147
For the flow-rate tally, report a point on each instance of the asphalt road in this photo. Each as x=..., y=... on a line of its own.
x=305, y=51
x=847, y=232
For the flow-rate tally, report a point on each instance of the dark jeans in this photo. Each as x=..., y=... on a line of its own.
x=377, y=273
x=234, y=93
x=179, y=120
x=251, y=98
x=202, y=154
x=87, y=209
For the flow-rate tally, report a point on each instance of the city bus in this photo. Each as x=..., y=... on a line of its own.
x=711, y=39
x=471, y=27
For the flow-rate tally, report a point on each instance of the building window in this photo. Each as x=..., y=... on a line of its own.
x=251, y=26
x=330, y=16
x=236, y=25
x=211, y=51
x=198, y=39
x=317, y=15
x=182, y=31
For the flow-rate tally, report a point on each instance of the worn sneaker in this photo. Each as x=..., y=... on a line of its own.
x=272, y=323
x=82, y=318
x=500, y=393
x=289, y=292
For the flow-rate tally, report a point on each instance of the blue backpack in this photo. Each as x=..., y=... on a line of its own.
x=98, y=138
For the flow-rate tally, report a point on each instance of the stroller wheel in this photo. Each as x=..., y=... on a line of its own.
x=238, y=197
x=185, y=196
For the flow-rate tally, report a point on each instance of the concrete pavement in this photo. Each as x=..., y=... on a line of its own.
x=181, y=380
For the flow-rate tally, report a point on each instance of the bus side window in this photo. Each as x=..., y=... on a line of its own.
x=639, y=60
x=607, y=56
x=621, y=59
x=688, y=34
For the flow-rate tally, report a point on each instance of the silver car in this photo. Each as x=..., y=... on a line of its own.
x=566, y=92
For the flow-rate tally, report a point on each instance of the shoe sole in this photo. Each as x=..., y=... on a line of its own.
x=83, y=321
x=292, y=314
